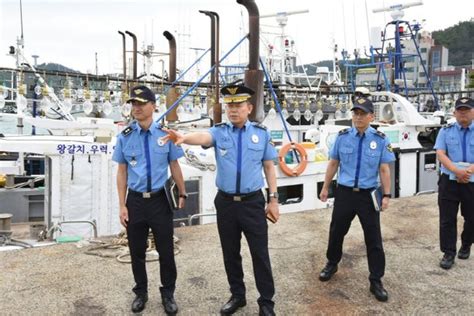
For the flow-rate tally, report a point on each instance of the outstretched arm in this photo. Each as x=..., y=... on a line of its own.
x=197, y=138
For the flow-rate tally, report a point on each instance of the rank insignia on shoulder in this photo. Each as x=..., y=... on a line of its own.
x=127, y=131
x=380, y=134
x=344, y=131
x=259, y=125
x=449, y=125
x=389, y=148
x=220, y=124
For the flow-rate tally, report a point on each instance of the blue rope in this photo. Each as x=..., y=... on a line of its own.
x=277, y=103
x=199, y=81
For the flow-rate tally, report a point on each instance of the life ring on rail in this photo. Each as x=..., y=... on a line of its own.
x=296, y=171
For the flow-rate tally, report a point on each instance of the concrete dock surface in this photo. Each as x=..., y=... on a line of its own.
x=63, y=280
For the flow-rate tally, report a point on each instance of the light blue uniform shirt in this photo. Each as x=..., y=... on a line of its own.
x=360, y=157
x=241, y=171
x=143, y=162
x=458, y=144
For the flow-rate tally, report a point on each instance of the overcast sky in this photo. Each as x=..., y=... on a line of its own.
x=70, y=32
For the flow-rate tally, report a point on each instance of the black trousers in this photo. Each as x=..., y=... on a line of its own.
x=248, y=217
x=347, y=205
x=156, y=214
x=450, y=195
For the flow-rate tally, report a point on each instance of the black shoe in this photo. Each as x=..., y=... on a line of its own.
x=379, y=292
x=233, y=305
x=464, y=252
x=447, y=262
x=171, y=308
x=266, y=311
x=327, y=272
x=139, y=303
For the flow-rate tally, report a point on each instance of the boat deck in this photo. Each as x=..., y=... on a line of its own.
x=62, y=279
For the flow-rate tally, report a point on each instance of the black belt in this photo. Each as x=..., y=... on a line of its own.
x=239, y=197
x=354, y=189
x=145, y=195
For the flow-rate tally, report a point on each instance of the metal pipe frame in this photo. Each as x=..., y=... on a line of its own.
x=124, y=51
x=135, y=53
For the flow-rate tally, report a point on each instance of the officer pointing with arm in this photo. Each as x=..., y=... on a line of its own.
x=360, y=153
x=142, y=172
x=242, y=149
x=455, y=150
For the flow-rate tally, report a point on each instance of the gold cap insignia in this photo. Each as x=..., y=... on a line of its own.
x=138, y=91
x=360, y=101
x=232, y=90
x=464, y=100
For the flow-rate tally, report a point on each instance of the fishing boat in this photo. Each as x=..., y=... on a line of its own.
x=78, y=196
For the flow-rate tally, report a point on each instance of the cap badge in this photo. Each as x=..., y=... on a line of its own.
x=464, y=100
x=373, y=144
x=138, y=91
x=360, y=101
x=233, y=90
x=254, y=139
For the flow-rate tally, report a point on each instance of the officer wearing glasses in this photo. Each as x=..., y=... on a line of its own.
x=455, y=150
x=360, y=153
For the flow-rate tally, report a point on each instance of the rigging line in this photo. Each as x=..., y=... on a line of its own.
x=355, y=24
x=21, y=22
x=344, y=24
x=367, y=21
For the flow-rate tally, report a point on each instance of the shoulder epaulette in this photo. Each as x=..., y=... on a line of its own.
x=127, y=131
x=220, y=124
x=344, y=131
x=259, y=125
x=448, y=125
x=380, y=134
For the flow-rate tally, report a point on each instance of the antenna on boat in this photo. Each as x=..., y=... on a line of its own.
x=285, y=44
x=22, y=40
x=397, y=9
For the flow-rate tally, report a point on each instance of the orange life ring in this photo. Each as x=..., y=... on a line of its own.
x=296, y=171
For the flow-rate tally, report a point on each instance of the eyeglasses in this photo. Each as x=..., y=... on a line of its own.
x=359, y=113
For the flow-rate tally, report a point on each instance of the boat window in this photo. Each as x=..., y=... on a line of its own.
x=289, y=194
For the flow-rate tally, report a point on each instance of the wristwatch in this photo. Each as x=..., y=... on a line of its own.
x=184, y=196
x=389, y=195
x=273, y=195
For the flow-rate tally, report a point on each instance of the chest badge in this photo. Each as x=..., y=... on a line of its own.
x=223, y=152
x=133, y=162
x=373, y=144
x=254, y=139
x=160, y=142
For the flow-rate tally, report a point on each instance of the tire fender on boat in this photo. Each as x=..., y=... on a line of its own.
x=299, y=168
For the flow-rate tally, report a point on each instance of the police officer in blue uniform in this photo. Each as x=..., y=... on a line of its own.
x=143, y=160
x=360, y=153
x=242, y=149
x=455, y=150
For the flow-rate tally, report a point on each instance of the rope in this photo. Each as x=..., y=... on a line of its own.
x=194, y=161
x=118, y=249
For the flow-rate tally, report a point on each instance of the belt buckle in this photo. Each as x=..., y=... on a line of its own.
x=355, y=189
x=146, y=195
x=237, y=198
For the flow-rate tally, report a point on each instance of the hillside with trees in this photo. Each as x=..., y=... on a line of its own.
x=459, y=39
